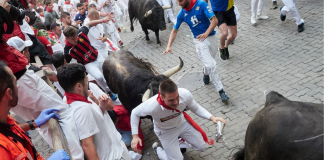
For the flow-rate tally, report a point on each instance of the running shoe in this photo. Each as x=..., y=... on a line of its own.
x=226, y=53
x=206, y=78
x=123, y=28
x=121, y=43
x=223, y=96
x=282, y=17
x=301, y=27
x=222, y=53
x=169, y=21
x=262, y=17
x=274, y=5
x=253, y=20
x=155, y=146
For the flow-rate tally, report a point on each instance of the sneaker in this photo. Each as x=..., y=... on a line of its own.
x=253, y=20
x=112, y=96
x=183, y=150
x=206, y=79
x=119, y=30
x=261, y=17
x=121, y=43
x=232, y=43
x=222, y=54
x=123, y=28
x=301, y=27
x=274, y=5
x=282, y=17
x=226, y=53
x=155, y=146
x=223, y=96
x=169, y=21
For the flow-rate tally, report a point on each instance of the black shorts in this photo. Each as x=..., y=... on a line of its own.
x=227, y=17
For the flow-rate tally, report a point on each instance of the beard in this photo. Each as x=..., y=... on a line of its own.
x=14, y=101
x=186, y=4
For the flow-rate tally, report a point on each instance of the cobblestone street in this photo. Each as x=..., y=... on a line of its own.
x=271, y=56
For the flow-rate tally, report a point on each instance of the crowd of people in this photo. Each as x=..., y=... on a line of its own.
x=72, y=38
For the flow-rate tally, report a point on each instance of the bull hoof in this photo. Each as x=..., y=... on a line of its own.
x=132, y=28
x=159, y=44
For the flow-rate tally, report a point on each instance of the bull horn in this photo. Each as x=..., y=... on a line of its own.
x=166, y=7
x=146, y=95
x=174, y=70
x=148, y=13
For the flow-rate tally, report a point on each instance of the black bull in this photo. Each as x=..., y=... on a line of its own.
x=149, y=14
x=131, y=77
x=284, y=130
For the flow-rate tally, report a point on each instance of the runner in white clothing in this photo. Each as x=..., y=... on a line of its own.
x=98, y=135
x=170, y=120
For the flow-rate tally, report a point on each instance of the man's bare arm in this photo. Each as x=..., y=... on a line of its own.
x=89, y=148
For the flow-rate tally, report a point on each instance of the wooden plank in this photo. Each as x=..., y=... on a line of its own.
x=58, y=137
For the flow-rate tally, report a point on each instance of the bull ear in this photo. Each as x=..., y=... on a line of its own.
x=174, y=70
x=148, y=13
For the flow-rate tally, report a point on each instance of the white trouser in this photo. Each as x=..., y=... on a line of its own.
x=95, y=70
x=134, y=155
x=206, y=51
x=124, y=7
x=256, y=7
x=34, y=96
x=104, y=50
x=290, y=7
x=168, y=11
x=125, y=154
x=118, y=14
x=170, y=142
x=111, y=30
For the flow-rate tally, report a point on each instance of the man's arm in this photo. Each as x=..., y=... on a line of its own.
x=89, y=148
x=171, y=39
x=104, y=20
x=25, y=126
x=211, y=27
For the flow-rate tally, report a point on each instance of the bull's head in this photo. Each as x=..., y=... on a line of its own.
x=158, y=16
x=167, y=74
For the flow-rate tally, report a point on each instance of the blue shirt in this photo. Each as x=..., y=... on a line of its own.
x=197, y=18
x=81, y=17
x=221, y=5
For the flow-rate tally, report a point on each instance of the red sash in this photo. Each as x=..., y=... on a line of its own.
x=189, y=119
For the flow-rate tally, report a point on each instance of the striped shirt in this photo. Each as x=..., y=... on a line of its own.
x=83, y=52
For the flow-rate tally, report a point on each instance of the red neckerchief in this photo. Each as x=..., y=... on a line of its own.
x=48, y=10
x=71, y=97
x=192, y=3
x=41, y=15
x=68, y=43
x=188, y=118
x=67, y=3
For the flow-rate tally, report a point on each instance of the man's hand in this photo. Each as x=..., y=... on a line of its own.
x=92, y=97
x=46, y=115
x=108, y=18
x=4, y=4
x=202, y=37
x=107, y=2
x=78, y=22
x=135, y=141
x=70, y=9
x=215, y=119
x=167, y=51
x=103, y=102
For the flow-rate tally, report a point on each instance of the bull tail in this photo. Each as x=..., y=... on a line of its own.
x=239, y=155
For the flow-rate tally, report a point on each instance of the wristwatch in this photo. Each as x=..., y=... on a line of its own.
x=31, y=125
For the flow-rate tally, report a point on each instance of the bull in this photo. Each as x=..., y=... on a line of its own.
x=133, y=79
x=149, y=14
x=284, y=130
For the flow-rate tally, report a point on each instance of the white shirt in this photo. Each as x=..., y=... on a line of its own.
x=107, y=8
x=62, y=40
x=164, y=118
x=75, y=2
x=61, y=2
x=55, y=8
x=99, y=8
x=94, y=33
x=90, y=121
x=66, y=7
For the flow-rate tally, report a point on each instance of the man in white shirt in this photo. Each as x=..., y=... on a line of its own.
x=57, y=30
x=98, y=135
x=97, y=36
x=170, y=120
